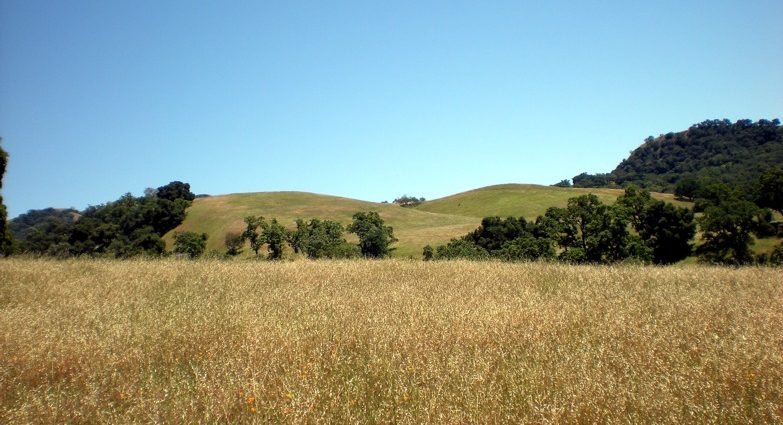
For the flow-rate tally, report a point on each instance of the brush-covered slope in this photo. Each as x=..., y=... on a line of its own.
x=733, y=153
x=529, y=201
x=218, y=215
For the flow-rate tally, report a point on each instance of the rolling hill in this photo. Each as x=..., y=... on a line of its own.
x=433, y=222
x=525, y=200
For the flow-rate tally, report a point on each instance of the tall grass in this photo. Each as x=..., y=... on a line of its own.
x=387, y=341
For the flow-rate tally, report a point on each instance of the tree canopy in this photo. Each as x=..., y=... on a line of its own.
x=6, y=239
x=375, y=238
x=586, y=231
x=733, y=153
x=126, y=227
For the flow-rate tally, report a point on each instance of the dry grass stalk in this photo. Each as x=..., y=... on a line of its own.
x=387, y=341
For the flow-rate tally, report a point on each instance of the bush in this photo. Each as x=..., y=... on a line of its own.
x=461, y=248
x=234, y=244
x=527, y=248
x=427, y=253
x=190, y=243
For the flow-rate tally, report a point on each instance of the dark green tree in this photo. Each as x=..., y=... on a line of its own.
x=175, y=190
x=600, y=231
x=375, y=238
x=527, y=248
x=190, y=243
x=770, y=191
x=324, y=239
x=664, y=228
x=726, y=230
x=274, y=234
x=495, y=231
x=252, y=234
x=427, y=253
x=45, y=233
x=776, y=257
x=712, y=193
x=144, y=241
x=298, y=238
x=6, y=240
x=688, y=187
x=634, y=201
x=462, y=248
x=122, y=228
x=668, y=231
x=556, y=225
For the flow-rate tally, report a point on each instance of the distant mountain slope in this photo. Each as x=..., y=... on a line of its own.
x=433, y=223
x=525, y=200
x=734, y=153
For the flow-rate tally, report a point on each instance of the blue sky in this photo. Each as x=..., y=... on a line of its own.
x=366, y=99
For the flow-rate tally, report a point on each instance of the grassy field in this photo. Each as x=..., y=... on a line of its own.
x=387, y=341
x=434, y=223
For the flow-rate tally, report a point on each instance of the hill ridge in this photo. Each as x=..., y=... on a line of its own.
x=431, y=223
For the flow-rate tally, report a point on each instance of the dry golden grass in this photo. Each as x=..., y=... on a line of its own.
x=387, y=341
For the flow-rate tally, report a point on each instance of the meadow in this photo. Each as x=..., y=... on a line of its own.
x=166, y=341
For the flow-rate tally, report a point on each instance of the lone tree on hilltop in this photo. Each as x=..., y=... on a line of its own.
x=408, y=201
x=175, y=190
x=375, y=239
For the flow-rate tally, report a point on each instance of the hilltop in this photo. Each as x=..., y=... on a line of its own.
x=433, y=222
x=733, y=153
x=526, y=200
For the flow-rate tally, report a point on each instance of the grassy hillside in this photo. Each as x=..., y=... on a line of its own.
x=434, y=222
x=516, y=200
x=404, y=342
x=218, y=215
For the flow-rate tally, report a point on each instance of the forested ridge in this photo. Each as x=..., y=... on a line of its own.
x=736, y=154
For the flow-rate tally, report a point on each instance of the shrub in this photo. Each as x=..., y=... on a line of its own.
x=190, y=243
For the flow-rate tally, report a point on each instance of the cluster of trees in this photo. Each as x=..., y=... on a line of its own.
x=408, y=201
x=126, y=227
x=315, y=238
x=732, y=153
x=586, y=231
x=731, y=216
x=635, y=227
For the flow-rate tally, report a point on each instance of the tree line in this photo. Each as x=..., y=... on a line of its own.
x=637, y=227
x=314, y=239
x=127, y=227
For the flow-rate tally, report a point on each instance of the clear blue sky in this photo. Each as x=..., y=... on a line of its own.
x=362, y=99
